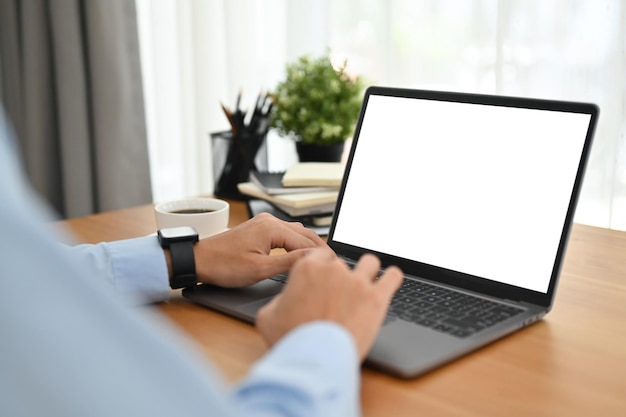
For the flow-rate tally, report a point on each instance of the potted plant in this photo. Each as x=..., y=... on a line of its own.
x=317, y=105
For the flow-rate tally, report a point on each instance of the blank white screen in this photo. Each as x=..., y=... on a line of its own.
x=478, y=189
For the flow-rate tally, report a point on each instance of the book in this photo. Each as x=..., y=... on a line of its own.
x=319, y=224
x=297, y=200
x=295, y=205
x=271, y=183
x=314, y=174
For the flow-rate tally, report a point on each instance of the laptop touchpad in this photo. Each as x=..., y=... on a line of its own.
x=251, y=309
x=241, y=302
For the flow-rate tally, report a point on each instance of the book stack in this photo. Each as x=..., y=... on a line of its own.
x=305, y=190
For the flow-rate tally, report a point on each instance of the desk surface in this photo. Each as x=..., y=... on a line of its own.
x=573, y=362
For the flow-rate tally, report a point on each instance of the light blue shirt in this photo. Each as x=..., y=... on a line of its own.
x=70, y=347
x=134, y=267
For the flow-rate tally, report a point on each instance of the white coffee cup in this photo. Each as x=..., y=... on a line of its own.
x=208, y=216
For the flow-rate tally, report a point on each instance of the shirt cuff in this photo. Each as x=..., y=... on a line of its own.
x=139, y=269
x=314, y=370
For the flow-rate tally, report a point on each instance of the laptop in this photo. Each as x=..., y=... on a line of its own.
x=472, y=196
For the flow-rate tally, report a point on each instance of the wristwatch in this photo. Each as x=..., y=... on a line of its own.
x=180, y=241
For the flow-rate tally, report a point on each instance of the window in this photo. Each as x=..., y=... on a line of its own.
x=200, y=53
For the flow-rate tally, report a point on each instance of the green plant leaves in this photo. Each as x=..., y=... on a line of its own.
x=317, y=103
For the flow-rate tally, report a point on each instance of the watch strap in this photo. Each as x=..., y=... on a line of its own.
x=183, y=264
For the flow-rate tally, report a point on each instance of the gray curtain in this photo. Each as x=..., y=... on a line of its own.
x=70, y=80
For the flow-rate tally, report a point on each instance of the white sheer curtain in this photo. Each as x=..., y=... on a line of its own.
x=200, y=52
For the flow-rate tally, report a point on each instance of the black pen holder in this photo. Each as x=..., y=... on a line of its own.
x=233, y=158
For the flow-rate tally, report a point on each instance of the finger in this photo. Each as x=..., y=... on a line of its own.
x=322, y=254
x=266, y=309
x=300, y=229
x=368, y=265
x=283, y=234
x=276, y=264
x=280, y=263
x=294, y=236
x=390, y=281
x=264, y=319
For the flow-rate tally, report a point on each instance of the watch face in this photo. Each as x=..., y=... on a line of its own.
x=177, y=232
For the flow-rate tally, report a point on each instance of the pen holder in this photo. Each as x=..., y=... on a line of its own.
x=233, y=158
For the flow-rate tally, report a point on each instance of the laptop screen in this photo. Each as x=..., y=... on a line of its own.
x=476, y=188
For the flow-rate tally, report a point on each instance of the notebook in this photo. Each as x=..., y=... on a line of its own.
x=473, y=196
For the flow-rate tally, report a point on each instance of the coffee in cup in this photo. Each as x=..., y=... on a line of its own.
x=208, y=216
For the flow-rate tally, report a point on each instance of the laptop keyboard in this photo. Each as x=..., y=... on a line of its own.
x=445, y=310
x=441, y=309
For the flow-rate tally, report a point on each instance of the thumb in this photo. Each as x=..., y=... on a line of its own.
x=284, y=262
x=264, y=321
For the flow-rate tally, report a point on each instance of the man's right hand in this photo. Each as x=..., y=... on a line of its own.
x=322, y=287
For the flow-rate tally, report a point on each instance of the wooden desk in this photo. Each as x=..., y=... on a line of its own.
x=572, y=363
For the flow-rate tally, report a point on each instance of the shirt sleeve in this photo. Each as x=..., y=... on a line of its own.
x=313, y=371
x=70, y=348
x=135, y=268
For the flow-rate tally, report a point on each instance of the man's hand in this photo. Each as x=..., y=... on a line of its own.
x=241, y=256
x=322, y=287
